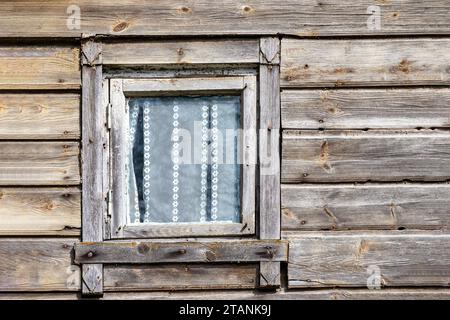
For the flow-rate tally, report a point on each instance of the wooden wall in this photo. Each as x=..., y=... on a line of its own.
x=365, y=161
x=365, y=145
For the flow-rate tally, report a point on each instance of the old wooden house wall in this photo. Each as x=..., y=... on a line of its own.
x=365, y=146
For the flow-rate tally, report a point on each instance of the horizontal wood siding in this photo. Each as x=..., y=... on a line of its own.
x=324, y=260
x=366, y=207
x=35, y=18
x=365, y=156
x=365, y=108
x=179, y=277
x=37, y=265
x=39, y=116
x=374, y=62
x=40, y=211
x=39, y=67
x=39, y=163
x=189, y=52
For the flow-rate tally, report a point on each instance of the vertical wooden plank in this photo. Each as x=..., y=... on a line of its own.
x=119, y=147
x=269, y=180
x=93, y=139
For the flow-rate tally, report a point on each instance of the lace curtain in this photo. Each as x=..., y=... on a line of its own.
x=183, y=160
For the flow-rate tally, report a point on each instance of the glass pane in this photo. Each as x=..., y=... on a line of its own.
x=184, y=159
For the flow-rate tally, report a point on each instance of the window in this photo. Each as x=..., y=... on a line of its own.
x=183, y=157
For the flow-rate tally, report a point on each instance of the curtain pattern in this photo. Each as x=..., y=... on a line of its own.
x=183, y=159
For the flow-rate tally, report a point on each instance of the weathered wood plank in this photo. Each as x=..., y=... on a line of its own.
x=39, y=163
x=39, y=116
x=37, y=265
x=372, y=206
x=316, y=294
x=93, y=142
x=35, y=18
x=179, y=277
x=269, y=147
x=188, y=52
x=39, y=67
x=350, y=156
x=166, y=252
x=173, y=85
x=375, y=62
x=40, y=211
x=362, y=109
x=324, y=260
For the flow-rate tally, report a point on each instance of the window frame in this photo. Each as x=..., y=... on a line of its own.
x=123, y=88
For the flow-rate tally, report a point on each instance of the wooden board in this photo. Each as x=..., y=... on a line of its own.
x=292, y=294
x=35, y=18
x=188, y=52
x=350, y=156
x=179, y=277
x=362, y=108
x=375, y=62
x=37, y=265
x=39, y=67
x=369, y=206
x=324, y=260
x=39, y=163
x=40, y=211
x=269, y=154
x=167, y=252
x=39, y=116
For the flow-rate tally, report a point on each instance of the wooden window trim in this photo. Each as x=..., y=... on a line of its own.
x=121, y=89
x=95, y=154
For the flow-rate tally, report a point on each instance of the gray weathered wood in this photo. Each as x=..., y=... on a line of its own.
x=40, y=211
x=39, y=116
x=39, y=67
x=292, y=294
x=35, y=18
x=119, y=149
x=162, y=252
x=375, y=62
x=39, y=163
x=37, y=265
x=363, y=207
x=362, y=108
x=269, y=154
x=186, y=52
x=179, y=277
x=93, y=141
x=349, y=156
x=165, y=86
x=325, y=260
x=316, y=294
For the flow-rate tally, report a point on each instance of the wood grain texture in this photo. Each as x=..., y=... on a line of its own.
x=375, y=62
x=186, y=52
x=39, y=67
x=350, y=156
x=39, y=116
x=362, y=109
x=364, y=207
x=39, y=163
x=167, y=252
x=316, y=294
x=36, y=18
x=324, y=260
x=37, y=265
x=292, y=294
x=93, y=153
x=269, y=154
x=179, y=277
x=40, y=211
